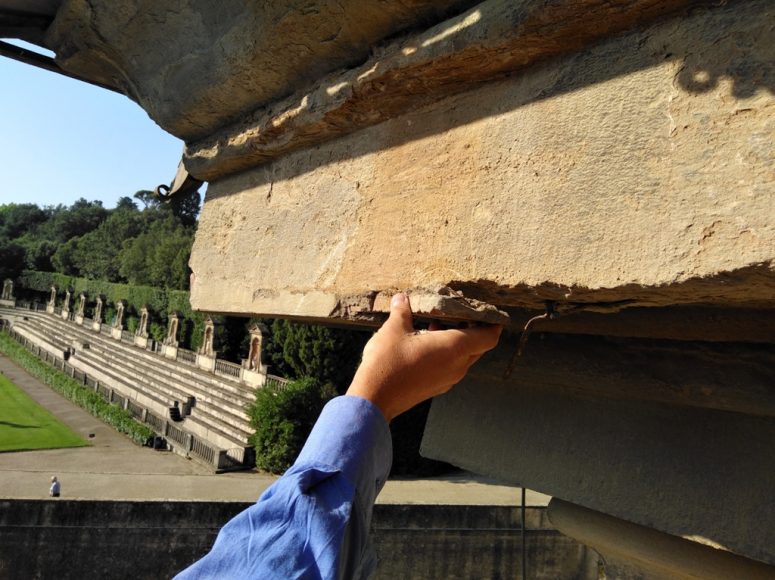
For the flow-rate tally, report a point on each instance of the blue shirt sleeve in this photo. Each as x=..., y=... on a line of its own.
x=313, y=522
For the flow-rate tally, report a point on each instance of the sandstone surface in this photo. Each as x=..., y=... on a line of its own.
x=639, y=172
x=195, y=66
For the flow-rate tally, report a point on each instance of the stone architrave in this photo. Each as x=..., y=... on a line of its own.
x=97, y=317
x=171, y=340
x=253, y=372
x=141, y=334
x=118, y=322
x=7, y=296
x=66, y=305
x=79, y=313
x=52, y=301
x=206, y=353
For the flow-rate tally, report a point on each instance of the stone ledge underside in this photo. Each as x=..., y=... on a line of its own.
x=494, y=38
x=600, y=180
x=667, y=435
x=197, y=66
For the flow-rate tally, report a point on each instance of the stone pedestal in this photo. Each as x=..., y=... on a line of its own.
x=170, y=351
x=205, y=362
x=8, y=303
x=50, y=308
x=141, y=341
x=254, y=378
x=79, y=319
x=65, y=314
x=116, y=333
x=96, y=326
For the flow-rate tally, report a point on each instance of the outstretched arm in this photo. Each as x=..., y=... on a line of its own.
x=314, y=521
x=402, y=368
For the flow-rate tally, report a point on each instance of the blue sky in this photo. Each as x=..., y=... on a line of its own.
x=61, y=139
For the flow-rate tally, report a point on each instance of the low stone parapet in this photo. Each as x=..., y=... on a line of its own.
x=255, y=378
x=170, y=351
x=411, y=541
x=205, y=362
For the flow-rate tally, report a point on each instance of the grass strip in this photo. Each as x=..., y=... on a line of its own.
x=92, y=402
x=25, y=425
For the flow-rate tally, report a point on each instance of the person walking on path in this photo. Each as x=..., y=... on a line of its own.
x=55, y=487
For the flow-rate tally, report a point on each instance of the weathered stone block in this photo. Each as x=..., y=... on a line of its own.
x=636, y=173
x=212, y=62
x=658, y=433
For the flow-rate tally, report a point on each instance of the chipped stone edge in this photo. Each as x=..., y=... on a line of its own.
x=492, y=39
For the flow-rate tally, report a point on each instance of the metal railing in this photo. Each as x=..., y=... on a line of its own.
x=227, y=368
x=156, y=422
x=203, y=450
x=118, y=399
x=134, y=409
x=176, y=434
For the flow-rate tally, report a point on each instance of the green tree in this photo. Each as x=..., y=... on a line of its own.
x=38, y=253
x=97, y=253
x=11, y=260
x=64, y=260
x=185, y=207
x=66, y=223
x=158, y=256
x=331, y=355
x=283, y=419
x=126, y=202
x=17, y=220
x=148, y=198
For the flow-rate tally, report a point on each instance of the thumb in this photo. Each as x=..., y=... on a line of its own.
x=400, y=319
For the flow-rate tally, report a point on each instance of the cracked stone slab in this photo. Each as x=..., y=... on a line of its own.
x=638, y=173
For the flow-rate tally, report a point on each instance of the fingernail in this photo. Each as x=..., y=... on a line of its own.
x=398, y=300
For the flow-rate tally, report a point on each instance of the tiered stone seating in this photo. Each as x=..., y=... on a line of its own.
x=149, y=379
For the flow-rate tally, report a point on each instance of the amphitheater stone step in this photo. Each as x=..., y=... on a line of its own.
x=148, y=379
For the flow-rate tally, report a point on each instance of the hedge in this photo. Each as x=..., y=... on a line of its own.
x=283, y=418
x=161, y=301
x=92, y=402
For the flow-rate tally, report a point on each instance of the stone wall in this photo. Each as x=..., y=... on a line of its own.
x=92, y=539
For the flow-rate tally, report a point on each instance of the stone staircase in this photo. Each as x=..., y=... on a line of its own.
x=148, y=379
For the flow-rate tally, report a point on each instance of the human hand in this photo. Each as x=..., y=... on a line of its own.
x=402, y=368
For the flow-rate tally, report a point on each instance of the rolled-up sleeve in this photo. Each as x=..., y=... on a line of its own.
x=314, y=521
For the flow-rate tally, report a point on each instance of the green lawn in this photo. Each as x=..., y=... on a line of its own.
x=26, y=425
